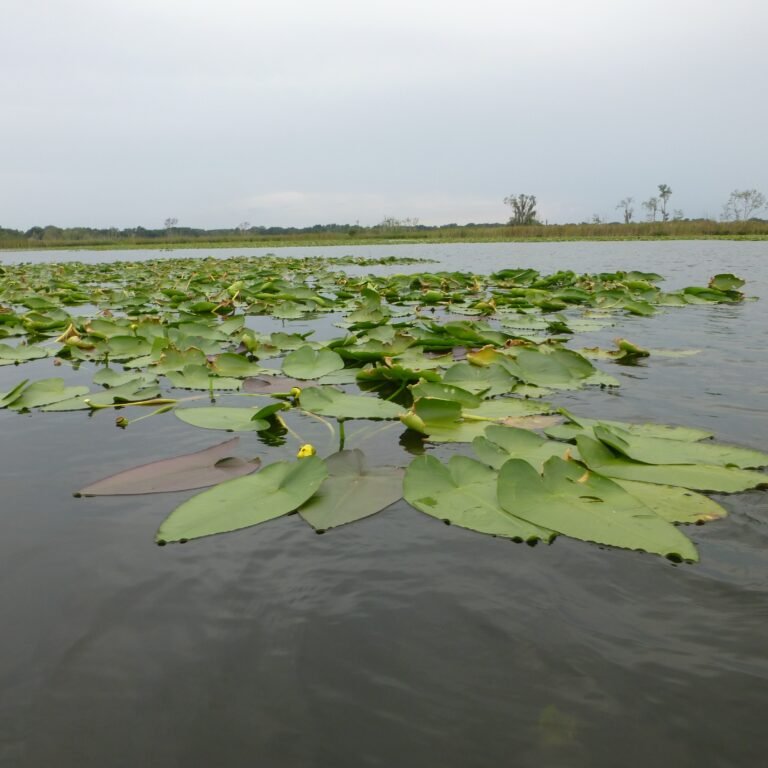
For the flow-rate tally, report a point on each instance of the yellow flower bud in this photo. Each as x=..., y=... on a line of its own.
x=295, y=392
x=306, y=450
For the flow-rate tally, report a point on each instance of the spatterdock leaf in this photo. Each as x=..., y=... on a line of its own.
x=308, y=363
x=352, y=491
x=180, y=473
x=652, y=450
x=329, y=401
x=700, y=477
x=586, y=506
x=223, y=417
x=276, y=490
x=463, y=492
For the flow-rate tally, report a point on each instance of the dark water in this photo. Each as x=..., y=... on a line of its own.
x=396, y=641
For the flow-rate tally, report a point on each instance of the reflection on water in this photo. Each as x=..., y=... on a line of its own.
x=398, y=640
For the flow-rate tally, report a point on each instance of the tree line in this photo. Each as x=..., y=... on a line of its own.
x=742, y=205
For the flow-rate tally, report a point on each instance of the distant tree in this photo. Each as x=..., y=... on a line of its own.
x=677, y=214
x=523, y=209
x=597, y=219
x=742, y=204
x=243, y=227
x=170, y=223
x=651, y=206
x=625, y=205
x=665, y=192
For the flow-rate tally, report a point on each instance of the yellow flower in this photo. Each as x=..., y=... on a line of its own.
x=306, y=450
x=295, y=392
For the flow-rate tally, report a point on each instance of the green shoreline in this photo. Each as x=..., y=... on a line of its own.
x=300, y=241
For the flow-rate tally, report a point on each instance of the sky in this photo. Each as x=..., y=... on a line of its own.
x=298, y=112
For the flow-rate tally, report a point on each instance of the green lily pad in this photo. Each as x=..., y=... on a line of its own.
x=21, y=354
x=677, y=505
x=308, y=363
x=654, y=450
x=223, y=417
x=463, y=493
x=276, y=490
x=44, y=392
x=499, y=444
x=700, y=477
x=329, y=401
x=352, y=491
x=577, y=503
x=200, y=377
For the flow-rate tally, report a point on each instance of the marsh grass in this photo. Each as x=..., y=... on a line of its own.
x=752, y=229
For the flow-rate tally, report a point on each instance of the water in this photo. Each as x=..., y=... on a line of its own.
x=394, y=641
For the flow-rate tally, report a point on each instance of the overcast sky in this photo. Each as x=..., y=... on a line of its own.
x=296, y=112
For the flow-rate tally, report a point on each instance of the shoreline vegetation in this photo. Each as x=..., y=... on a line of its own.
x=43, y=238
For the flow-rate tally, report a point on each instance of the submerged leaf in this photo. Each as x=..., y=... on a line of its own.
x=181, y=473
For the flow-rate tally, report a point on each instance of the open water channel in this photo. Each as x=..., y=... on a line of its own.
x=396, y=641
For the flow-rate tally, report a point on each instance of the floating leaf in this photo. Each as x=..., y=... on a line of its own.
x=499, y=444
x=181, y=473
x=586, y=506
x=677, y=505
x=222, y=417
x=308, y=363
x=44, y=392
x=328, y=401
x=582, y=426
x=200, y=377
x=352, y=491
x=463, y=492
x=700, y=477
x=654, y=450
x=276, y=490
x=21, y=354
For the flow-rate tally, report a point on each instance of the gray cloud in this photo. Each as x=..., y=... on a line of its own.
x=304, y=112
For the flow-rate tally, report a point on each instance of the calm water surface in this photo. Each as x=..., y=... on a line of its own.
x=397, y=641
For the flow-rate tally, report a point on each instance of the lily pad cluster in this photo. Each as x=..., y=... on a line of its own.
x=450, y=357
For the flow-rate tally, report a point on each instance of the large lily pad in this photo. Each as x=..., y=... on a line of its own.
x=276, y=490
x=224, y=417
x=463, y=492
x=499, y=444
x=308, y=363
x=352, y=491
x=583, y=505
x=44, y=392
x=701, y=477
x=180, y=473
x=677, y=505
x=328, y=401
x=653, y=450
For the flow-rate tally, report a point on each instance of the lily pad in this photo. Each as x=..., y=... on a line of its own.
x=276, y=490
x=700, y=477
x=586, y=506
x=463, y=493
x=223, y=417
x=654, y=450
x=308, y=363
x=352, y=491
x=329, y=401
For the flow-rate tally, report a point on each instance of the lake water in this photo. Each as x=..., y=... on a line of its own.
x=397, y=641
